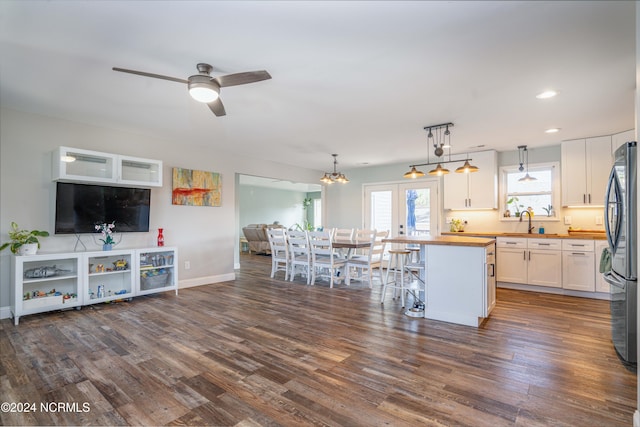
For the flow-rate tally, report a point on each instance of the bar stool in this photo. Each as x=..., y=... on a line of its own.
x=397, y=263
x=414, y=266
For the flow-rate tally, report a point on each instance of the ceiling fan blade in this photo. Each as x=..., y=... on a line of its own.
x=217, y=108
x=242, y=78
x=155, y=76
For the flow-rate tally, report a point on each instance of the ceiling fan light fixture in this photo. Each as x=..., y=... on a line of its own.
x=203, y=89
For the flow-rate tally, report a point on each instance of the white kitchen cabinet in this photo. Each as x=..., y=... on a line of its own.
x=578, y=265
x=77, y=165
x=491, y=280
x=44, y=283
x=157, y=270
x=477, y=190
x=529, y=261
x=620, y=138
x=601, y=284
x=586, y=164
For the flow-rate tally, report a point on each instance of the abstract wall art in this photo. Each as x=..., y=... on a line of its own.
x=196, y=188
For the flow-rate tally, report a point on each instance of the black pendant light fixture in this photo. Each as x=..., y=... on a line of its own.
x=439, y=137
x=523, y=157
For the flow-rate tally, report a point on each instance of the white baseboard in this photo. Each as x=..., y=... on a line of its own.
x=207, y=280
x=558, y=291
x=5, y=312
x=636, y=419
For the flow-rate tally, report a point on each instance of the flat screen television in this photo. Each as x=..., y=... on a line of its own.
x=79, y=207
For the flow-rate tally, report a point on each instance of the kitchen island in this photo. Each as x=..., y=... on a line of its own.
x=459, y=276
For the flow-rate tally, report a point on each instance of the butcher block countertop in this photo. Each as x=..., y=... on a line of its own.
x=592, y=235
x=455, y=239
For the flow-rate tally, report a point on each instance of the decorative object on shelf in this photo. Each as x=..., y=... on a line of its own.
x=440, y=141
x=335, y=176
x=548, y=210
x=121, y=265
x=23, y=242
x=160, y=237
x=108, y=235
x=457, y=225
x=43, y=272
x=523, y=157
x=514, y=201
x=196, y=188
x=100, y=268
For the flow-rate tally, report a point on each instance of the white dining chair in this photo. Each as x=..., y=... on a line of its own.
x=342, y=234
x=324, y=261
x=279, y=251
x=366, y=263
x=299, y=254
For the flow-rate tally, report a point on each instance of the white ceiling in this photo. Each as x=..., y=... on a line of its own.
x=360, y=78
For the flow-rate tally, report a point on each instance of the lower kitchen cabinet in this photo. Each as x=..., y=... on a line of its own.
x=578, y=265
x=47, y=282
x=529, y=261
x=565, y=264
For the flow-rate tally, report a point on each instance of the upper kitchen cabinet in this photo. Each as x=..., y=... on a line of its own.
x=77, y=165
x=586, y=164
x=477, y=190
x=620, y=138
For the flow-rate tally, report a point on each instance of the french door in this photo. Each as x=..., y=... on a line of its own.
x=403, y=209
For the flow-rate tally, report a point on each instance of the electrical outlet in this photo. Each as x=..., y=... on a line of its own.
x=187, y=265
x=567, y=220
x=599, y=220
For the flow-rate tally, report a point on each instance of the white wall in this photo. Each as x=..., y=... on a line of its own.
x=262, y=205
x=205, y=236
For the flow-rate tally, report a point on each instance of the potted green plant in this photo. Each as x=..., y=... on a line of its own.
x=514, y=201
x=23, y=242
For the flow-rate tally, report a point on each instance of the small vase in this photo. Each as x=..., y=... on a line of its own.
x=107, y=247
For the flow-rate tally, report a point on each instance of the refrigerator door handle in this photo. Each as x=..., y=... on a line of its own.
x=613, y=280
x=612, y=235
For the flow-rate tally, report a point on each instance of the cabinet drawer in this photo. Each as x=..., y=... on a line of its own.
x=512, y=242
x=578, y=245
x=555, y=244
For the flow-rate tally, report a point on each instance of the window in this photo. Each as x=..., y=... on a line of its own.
x=541, y=195
x=317, y=213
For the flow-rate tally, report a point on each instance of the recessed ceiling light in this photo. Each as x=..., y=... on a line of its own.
x=547, y=94
x=552, y=130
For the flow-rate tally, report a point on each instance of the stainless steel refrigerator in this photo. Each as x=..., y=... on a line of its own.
x=621, y=226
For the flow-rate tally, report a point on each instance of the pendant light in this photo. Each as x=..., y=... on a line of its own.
x=335, y=176
x=439, y=136
x=414, y=173
x=523, y=157
x=467, y=168
x=439, y=171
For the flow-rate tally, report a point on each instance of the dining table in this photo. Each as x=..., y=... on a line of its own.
x=349, y=245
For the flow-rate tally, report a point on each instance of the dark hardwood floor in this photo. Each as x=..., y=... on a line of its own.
x=261, y=351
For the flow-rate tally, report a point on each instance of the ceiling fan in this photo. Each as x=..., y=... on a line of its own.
x=205, y=88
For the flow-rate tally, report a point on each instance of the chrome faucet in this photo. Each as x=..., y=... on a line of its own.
x=530, y=229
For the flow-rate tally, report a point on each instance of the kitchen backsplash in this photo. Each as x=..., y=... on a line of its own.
x=490, y=220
